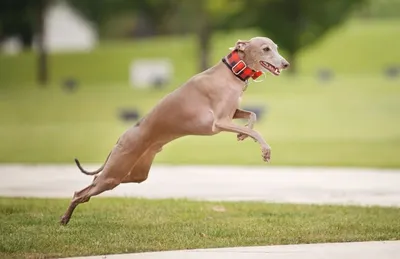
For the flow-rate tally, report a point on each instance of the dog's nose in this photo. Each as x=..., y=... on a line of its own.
x=285, y=64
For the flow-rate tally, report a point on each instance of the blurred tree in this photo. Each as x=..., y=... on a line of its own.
x=153, y=13
x=213, y=15
x=295, y=24
x=42, y=66
x=205, y=17
x=167, y=17
x=380, y=9
x=25, y=19
x=18, y=18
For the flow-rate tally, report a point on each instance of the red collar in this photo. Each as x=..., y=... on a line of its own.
x=239, y=68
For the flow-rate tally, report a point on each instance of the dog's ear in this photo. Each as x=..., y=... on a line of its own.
x=241, y=45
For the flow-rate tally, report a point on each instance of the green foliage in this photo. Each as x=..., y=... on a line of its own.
x=380, y=9
x=296, y=24
x=205, y=17
x=215, y=12
x=154, y=12
x=18, y=17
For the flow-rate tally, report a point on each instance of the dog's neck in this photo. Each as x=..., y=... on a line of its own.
x=242, y=70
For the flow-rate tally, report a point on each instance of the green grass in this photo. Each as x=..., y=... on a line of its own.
x=348, y=122
x=351, y=121
x=30, y=227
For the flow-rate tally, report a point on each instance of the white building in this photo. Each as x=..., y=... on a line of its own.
x=67, y=30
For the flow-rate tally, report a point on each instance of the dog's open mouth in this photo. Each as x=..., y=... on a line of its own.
x=274, y=70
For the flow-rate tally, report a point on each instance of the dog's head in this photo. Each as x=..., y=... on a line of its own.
x=261, y=53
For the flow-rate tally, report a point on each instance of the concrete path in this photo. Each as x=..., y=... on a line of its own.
x=364, y=250
x=270, y=184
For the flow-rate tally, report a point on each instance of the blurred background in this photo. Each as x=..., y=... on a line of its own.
x=74, y=74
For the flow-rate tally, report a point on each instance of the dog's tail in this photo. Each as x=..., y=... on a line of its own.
x=78, y=164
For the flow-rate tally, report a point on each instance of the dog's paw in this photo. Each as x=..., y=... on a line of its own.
x=266, y=153
x=241, y=136
x=64, y=220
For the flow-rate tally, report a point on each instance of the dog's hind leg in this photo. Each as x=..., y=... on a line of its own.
x=79, y=197
x=140, y=171
x=121, y=161
x=137, y=174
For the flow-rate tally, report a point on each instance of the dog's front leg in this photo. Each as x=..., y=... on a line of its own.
x=251, y=119
x=231, y=127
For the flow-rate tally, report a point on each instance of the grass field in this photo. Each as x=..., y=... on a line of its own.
x=350, y=121
x=29, y=227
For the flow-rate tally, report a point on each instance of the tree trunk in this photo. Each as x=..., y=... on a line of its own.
x=292, y=70
x=26, y=32
x=42, y=72
x=204, y=42
x=204, y=37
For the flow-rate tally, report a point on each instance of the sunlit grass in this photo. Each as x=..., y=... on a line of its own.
x=30, y=227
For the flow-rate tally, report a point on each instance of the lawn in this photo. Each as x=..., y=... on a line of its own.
x=352, y=120
x=348, y=122
x=30, y=227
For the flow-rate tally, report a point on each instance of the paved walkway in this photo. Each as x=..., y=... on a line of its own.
x=270, y=184
x=364, y=250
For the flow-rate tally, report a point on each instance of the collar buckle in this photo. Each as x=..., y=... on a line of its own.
x=241, y=70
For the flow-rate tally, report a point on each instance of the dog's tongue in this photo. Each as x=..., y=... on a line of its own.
x=257, y=74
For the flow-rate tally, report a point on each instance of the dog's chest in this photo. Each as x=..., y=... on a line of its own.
x=239, y=100
x=228, y=100
x=234, y=104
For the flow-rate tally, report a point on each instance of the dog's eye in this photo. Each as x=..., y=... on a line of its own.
x=266, y=49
